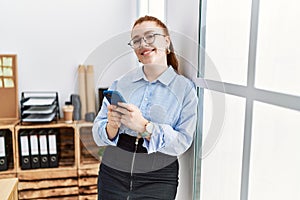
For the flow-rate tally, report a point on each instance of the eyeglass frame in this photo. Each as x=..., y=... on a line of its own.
x=143, y=38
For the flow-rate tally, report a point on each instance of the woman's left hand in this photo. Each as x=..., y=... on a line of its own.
x=131, y=117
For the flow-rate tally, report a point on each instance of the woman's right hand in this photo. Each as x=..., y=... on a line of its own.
x=114, y=121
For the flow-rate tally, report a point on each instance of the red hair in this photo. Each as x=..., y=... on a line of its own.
x=171, y=57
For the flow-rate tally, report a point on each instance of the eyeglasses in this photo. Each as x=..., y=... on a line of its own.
x=149, y=38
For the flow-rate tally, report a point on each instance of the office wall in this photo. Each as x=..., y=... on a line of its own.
x=51, y=38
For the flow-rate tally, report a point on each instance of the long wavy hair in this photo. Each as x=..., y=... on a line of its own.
x=171, y=57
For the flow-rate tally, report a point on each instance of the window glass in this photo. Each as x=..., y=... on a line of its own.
x=275, y=160
x=222, y=162
x=154, y=8
x=157, y=9
x=278, y=60
x=227, y=39
x=143, y=7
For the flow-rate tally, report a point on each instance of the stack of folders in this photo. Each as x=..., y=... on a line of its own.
x=38, y=148
x=4, y=150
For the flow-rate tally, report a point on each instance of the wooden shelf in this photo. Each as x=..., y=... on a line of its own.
x=88, y=163
x=88, y=153
x=12, y=160
x=67, y=144
x=59, y=182
x=77, y=173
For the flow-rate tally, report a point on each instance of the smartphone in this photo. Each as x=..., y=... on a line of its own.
x=113, y=97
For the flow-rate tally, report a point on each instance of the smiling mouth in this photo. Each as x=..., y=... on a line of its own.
x=146, y=52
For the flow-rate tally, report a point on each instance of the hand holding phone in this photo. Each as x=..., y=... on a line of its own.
x=113, y=97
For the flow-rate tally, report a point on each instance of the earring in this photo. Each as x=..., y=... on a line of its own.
x=168, y=50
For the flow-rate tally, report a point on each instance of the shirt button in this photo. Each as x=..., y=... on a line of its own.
x=146, y=99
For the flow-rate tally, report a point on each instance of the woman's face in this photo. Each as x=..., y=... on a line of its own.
x=154, y=52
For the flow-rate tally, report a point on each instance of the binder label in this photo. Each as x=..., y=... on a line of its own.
x=34, y=145
x=2, y=147
x=52, y=144
x=24, y=146
x=43, y=145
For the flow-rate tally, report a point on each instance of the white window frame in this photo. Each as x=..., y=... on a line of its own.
x=249, y=92
x=154, y=8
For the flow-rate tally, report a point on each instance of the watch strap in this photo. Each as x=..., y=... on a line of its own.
x=145, y=134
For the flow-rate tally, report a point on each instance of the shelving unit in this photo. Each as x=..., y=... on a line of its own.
x=77, y=172
x=8, y=127
x=76, y=175
x=59, y=182
x=67, y=143
x=89, y=161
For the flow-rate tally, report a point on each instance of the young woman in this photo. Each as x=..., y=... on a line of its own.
x=145, y=135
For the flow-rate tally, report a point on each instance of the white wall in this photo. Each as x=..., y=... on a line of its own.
x=51, y=38
x=182, y=20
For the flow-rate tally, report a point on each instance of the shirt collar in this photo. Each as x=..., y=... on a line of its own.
x=165, y=78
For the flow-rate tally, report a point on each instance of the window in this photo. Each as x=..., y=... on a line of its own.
x=253, y=46
x=154, y=8
x=278, y=60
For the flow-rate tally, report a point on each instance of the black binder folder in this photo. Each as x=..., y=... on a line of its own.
x=3, y=151
x=44, y=153
x=53, y=151
x=34, y=149
x=24, y=150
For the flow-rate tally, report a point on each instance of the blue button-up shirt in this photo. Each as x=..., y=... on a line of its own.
x=170, y=103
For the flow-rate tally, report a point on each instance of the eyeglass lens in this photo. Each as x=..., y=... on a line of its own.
x=148, y=38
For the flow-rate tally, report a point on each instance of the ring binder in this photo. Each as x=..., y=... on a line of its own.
x=24, y=150
x=44, y=154
x=53, y=155
x=34, y=149
x=3, y=151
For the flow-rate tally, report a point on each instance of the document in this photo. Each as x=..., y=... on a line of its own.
x=40, y=117
x=39, y=101
x=40, y=110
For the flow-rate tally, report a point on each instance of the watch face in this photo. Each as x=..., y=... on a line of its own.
x=149, y=127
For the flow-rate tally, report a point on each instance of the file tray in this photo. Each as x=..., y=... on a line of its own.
x=39, y=107
x=39, y=101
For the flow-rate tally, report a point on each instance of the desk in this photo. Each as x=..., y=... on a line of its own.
x=9, y=189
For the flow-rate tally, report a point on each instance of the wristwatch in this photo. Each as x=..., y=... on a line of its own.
x=148, y=129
